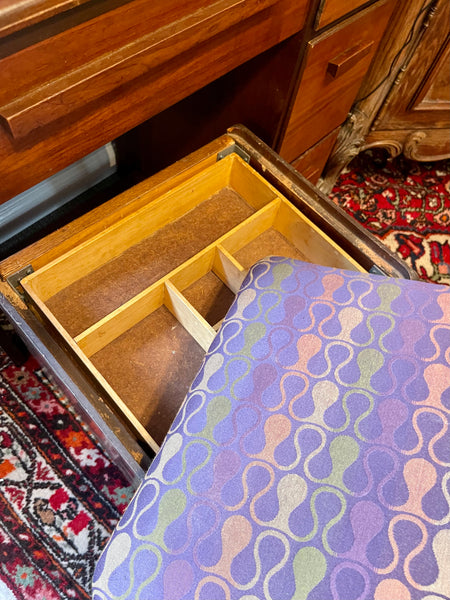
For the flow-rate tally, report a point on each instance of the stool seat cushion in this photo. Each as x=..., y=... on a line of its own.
x=311, y=456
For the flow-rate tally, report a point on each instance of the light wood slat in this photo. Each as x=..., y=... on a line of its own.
x=230, y=271
x=118, y=403
x=218, y=325
x=251, y=228
x=114, y=324
x=314, y=244
x=215, y=258
x=251, y=185
x=193, y=270
x=188, y=316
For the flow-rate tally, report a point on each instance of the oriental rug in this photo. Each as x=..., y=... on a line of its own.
x=60, y=496
x=406, y=204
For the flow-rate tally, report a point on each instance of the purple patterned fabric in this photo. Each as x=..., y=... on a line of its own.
x=311, y=457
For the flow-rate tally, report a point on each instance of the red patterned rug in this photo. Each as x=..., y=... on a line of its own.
x=60, y=496
x=405, y=204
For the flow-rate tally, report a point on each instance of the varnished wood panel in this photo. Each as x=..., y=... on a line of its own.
x=424, y=144
x=400, y=42
x=25, y=161
x=38, y=90
x=17, y=14
x=438, y=91
x=46, y=61
x=409, y=105
x=312, y=162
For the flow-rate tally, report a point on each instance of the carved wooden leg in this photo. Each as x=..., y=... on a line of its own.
x=348, y=145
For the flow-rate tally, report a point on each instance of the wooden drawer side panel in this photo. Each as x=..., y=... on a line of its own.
x=128, y=232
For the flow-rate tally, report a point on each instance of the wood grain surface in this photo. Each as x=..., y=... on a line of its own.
x=331, y=10
x=69, y=94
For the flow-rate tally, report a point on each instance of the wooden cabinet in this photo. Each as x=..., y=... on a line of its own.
x=76, y=75
x=406, y=108
x=72, y=91
x=415, y=116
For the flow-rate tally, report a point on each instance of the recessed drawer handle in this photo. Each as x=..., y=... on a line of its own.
x=349, y=58
x=75, y=89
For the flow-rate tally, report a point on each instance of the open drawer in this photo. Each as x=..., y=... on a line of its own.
x=138, y=299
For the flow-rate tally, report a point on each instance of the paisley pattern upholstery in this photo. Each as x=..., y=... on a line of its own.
x=311, y=457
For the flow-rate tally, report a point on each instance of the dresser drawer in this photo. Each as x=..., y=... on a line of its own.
x=54, y=79
x=335, y=66
x=332, y=10
x=137, y=295
x=312, y=162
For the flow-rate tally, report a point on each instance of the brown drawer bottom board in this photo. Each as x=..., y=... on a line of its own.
x=152, y=366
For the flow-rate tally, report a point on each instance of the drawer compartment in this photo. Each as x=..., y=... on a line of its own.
x=335, y=66
x=139, y=303
x=111, y=284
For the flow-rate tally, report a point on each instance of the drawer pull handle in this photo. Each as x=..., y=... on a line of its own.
x=349, y=58
x=73, y=90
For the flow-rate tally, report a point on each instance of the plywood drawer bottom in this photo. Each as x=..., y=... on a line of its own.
x=106, y=288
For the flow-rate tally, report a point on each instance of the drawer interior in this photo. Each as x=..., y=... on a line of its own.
x=140, y=303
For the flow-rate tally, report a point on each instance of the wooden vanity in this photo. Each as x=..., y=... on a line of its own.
x=77, y=75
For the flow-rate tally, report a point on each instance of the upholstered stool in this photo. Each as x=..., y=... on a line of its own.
x=311, y=457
